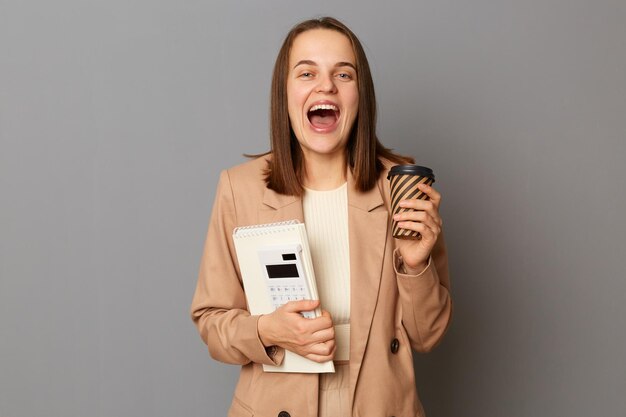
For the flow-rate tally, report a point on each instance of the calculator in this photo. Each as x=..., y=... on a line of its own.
x=285, y=275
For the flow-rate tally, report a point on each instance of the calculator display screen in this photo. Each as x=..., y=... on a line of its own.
x=282, y=271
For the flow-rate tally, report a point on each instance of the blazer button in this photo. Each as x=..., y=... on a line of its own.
x=284, y=414
x=395, y=345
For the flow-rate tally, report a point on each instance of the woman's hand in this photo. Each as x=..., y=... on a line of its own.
x=427, y=222
x=285, y=327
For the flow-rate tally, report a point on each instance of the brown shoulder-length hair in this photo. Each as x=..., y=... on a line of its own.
x=363, y=151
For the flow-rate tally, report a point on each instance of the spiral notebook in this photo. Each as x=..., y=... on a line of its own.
x=276, y=266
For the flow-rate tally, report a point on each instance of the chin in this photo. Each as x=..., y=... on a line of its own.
x=323, y=144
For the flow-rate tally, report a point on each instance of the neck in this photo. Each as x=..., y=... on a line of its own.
x=325, y=173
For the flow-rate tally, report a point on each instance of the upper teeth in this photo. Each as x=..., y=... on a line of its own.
x=324, y=107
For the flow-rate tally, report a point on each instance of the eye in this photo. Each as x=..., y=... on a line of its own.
x=306, y=74
x=344, y=76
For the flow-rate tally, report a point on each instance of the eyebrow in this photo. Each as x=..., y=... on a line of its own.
x=337, y=65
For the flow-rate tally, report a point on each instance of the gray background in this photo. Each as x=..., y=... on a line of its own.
x=117, y=116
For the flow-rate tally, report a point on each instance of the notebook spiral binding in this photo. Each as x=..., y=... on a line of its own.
x=262, y=229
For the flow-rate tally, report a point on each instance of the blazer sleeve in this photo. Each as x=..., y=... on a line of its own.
x=218, y=308
x=425, y=299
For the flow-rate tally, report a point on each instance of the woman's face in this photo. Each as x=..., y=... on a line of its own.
x=322, y=92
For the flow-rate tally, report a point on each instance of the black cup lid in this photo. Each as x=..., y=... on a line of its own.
x=411, y=170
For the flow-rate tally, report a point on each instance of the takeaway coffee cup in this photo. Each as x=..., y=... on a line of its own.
x=403, y=181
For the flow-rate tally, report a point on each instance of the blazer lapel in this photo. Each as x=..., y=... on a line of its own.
x=367, y=225
x=278, y=207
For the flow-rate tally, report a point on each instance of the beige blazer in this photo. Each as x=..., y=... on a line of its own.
x=390, y=312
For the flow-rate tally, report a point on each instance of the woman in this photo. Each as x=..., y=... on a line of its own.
x=380, y=296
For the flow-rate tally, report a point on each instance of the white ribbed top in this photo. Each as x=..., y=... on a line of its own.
x=326, y=219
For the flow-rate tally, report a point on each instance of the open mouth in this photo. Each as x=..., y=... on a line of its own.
x=323, y=116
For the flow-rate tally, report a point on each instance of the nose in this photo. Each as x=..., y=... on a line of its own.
x=326, y=84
